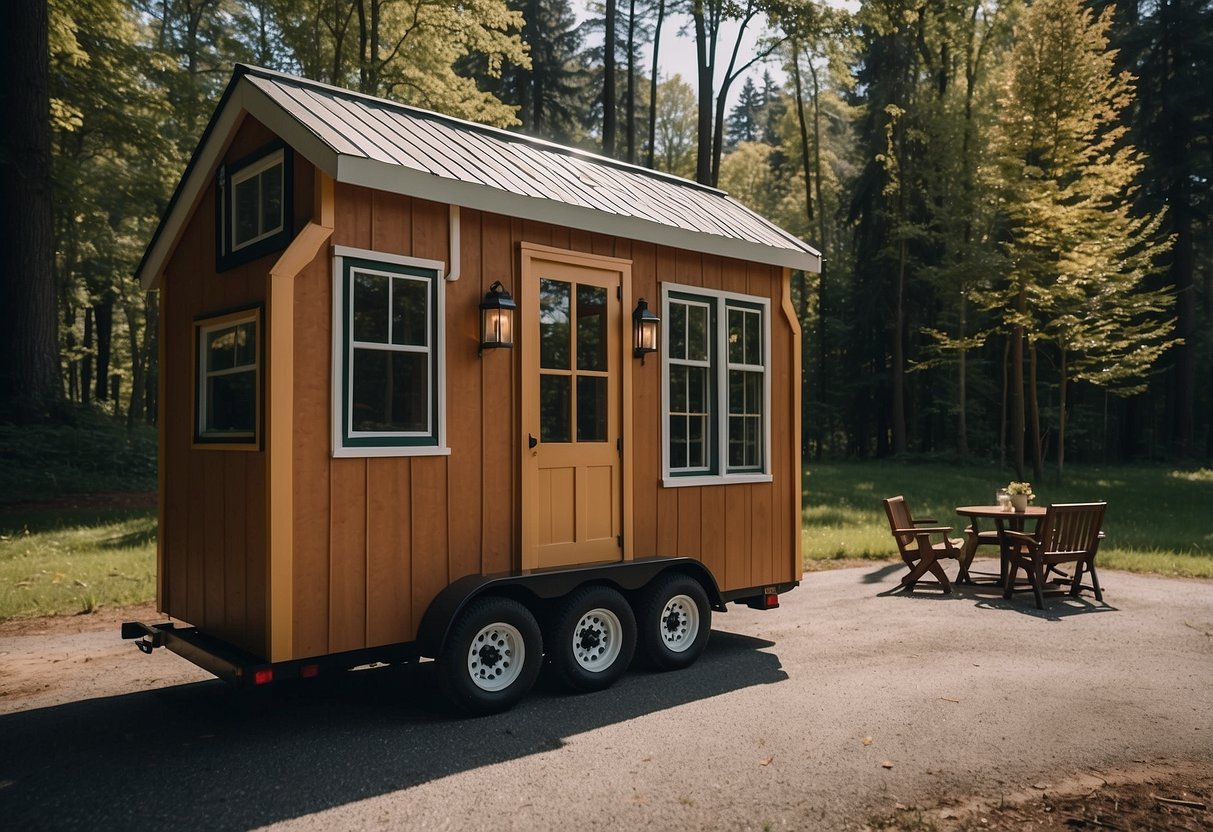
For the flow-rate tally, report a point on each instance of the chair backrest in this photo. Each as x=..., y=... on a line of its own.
x=899, y=518
x=1071, y=528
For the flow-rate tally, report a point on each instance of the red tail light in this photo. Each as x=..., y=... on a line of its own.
x=263, y=676
x=309, y=670
x=770, y=601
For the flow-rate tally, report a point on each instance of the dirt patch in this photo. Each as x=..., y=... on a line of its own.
x=1149, y=796
x=828, y=565
x=105, y=618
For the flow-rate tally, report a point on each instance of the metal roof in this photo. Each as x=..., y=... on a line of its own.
x=363, y=140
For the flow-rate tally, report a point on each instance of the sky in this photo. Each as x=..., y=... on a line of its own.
x=678, y=50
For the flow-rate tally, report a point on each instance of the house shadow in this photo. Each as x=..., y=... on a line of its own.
x=202, y=754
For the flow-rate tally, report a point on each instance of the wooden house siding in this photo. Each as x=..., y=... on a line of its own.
x=212, y=553
x=375, y=539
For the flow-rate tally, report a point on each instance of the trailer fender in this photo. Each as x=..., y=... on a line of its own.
x=547, y=584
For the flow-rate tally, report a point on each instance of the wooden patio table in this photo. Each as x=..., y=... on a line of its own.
x=1003, y=519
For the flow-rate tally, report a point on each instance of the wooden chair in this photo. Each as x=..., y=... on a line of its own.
x=914, y=543
x=1068, y=533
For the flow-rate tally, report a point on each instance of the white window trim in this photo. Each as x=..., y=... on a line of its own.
x=209, y=438
x=437, y=343
x=278, y=157
x=720, y=403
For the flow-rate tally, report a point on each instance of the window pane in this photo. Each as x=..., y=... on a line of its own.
x=736, y=336
x=390, y=391
x=591, y=409
x=697, y=333
x=370, y=307
x=409, y=301
x=591, y=328
x=678, y=330
x=244, y=225
x=246, y=344
x=678, y=442
x=220, y=349
x=697, y=389
x=554, y=325
x=736, y=391
x=554, y=408
x=231, y=403
x=697, y=441
x=271, y=199
x=753, y=338
x=678, y=389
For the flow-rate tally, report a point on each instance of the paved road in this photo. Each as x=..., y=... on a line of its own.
x=963, y=695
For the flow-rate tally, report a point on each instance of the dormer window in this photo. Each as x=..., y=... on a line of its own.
x=254, y=206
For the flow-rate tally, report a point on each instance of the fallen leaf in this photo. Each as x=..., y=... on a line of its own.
x=767, y=761
x=867, y=740
x=886, y=764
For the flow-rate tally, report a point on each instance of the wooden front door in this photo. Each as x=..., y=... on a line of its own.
x=573, y=368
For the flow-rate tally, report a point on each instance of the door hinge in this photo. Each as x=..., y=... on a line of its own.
x=618, y=293
x=619, y=540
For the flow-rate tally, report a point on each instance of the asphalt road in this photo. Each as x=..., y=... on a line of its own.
x=837, y=706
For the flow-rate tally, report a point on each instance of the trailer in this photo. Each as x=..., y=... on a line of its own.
x=430, y=389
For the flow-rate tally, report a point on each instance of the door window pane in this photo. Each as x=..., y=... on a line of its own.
x=554, y=408
x=554, y=325
x=591, y=409
x=591, y=328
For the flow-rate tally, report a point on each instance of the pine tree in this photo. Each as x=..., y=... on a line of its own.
x=742, y=124
x=1064, y=178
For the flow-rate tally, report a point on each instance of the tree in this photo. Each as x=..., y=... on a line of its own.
x=1078, y=259
x=29, y=358
x=675, y=128
x=743, y=122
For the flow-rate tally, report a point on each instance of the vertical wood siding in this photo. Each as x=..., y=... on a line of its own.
x=213, y=534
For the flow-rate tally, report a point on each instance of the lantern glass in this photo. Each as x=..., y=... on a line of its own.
x=644, y=330
x=497, y=318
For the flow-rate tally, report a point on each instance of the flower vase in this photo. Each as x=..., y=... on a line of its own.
x=1019, y=502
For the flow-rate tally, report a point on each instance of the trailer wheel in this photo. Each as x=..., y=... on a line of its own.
x=591, y=639
x=491, y=657
x=675, y=619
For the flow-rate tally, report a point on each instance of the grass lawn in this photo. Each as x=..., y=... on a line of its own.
x=60, y=562
x=1157, y=518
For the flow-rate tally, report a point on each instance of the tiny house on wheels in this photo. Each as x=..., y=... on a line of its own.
x=434, y=389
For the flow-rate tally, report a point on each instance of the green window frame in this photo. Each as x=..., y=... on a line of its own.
x=389, y=367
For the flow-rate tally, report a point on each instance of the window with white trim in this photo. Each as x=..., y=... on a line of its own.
x=388, y=357
x=715, y=386
x=228, y=391
x=254, y=204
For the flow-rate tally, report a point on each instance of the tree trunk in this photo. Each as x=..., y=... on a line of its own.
x=804, y=132
x=1034, y=410
x=1002, y=413
x=608, y=83
x=962, y=428
x=151, y=305
x=705, y=64
x=1183, y=382
x=899, y=378
x=138, y=333
x=1017, y=407
x=653, y=84
x=103, y=313
x=86, y=360
x=29, y=343
x=1061, y=414
x=629, y=106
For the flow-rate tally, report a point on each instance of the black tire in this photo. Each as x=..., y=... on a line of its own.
x=674, y=619
x=590, y=639
x=479, y=670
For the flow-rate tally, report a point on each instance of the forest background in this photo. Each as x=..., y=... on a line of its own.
x=1013, y=197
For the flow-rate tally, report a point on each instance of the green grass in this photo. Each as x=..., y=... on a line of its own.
x=75, y=561
x=1157, y=518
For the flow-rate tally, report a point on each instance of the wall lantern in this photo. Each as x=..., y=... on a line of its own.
x=644, y=329
x=497, y=318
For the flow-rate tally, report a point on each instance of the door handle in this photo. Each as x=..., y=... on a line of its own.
x=531, y=441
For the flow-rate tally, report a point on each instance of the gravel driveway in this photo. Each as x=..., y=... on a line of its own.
x=833, y=709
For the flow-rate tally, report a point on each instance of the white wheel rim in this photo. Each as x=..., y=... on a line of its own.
x=597, y=639
x=496, y=656
x=679, y=623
